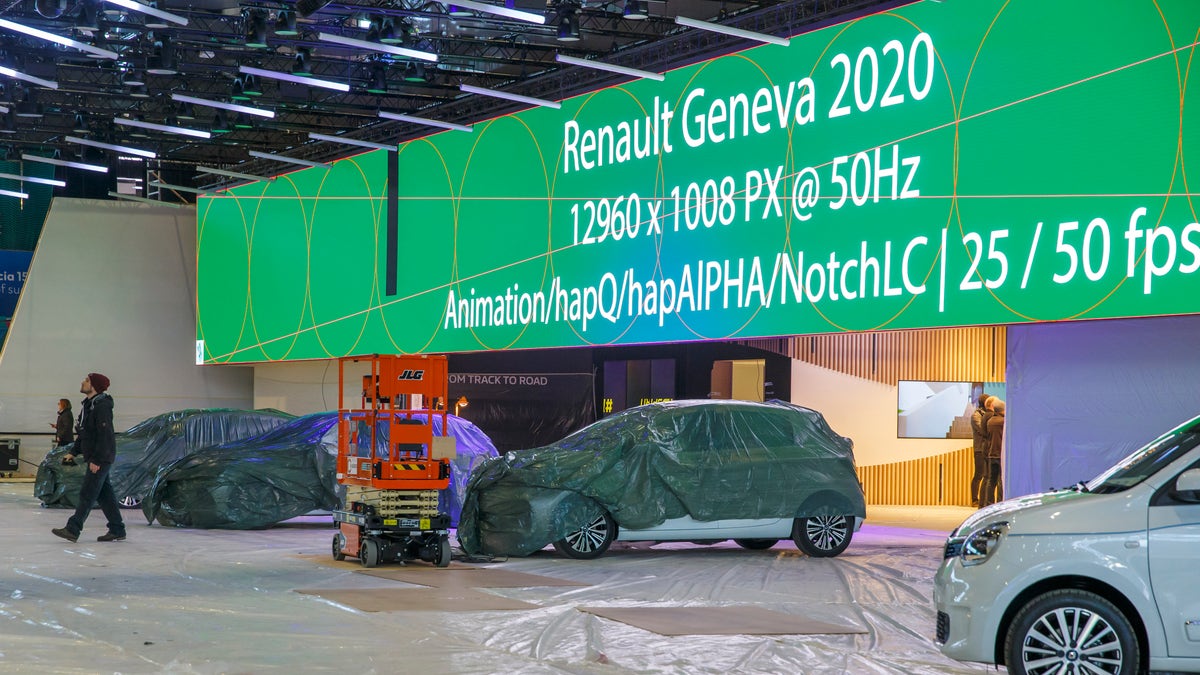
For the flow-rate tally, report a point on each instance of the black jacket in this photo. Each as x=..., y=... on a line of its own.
x=995, y=427
x=97, y=440
x=979, y=430
x=64, y=429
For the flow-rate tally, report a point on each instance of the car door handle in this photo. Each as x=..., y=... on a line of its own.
x=1133, y=543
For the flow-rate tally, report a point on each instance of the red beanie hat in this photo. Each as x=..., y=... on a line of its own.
x=99, y=382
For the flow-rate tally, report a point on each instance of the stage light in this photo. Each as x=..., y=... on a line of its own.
x=733, y=32
x=310, y=81
x=293, y=160
x=456, y=5
x=420, y=120
x=509, y=97
x=609, y=67
x=233, y=107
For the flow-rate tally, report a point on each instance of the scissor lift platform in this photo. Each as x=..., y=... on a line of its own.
x=393, y=464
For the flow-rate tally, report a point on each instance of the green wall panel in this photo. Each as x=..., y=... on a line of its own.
x=943, y=164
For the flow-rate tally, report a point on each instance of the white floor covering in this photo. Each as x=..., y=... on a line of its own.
x=209, y=601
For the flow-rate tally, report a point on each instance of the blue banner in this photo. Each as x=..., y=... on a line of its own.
x=14, y=267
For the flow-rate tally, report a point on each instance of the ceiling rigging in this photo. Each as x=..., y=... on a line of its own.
x=240, y=85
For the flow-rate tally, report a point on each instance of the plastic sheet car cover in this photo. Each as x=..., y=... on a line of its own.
x=251, y=483
x=705, y=459
x=288, y=472
x=148, y=445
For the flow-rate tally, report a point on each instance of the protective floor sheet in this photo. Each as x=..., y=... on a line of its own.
x=205, y=602
x=467, y=577
x=738, y=620
x=353, y=565
x=416, y=599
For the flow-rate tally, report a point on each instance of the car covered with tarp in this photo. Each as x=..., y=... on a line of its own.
x=148, y=445
x=681, y=470
x=291, y=471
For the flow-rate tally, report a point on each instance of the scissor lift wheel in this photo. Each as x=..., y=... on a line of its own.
x=368, y=555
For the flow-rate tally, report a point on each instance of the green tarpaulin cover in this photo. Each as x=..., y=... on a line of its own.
x=710, y=460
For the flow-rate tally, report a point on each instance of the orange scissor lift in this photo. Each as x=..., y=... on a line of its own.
x=392, y=463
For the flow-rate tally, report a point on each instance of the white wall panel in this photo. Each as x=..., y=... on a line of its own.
x=865, y=411
x=111, y=289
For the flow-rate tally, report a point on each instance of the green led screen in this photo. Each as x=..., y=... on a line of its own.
x=943, y=164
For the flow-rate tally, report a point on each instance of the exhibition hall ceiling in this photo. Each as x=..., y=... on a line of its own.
x=116, y=73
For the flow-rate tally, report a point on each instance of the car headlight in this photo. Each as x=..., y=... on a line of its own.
x=978, y=546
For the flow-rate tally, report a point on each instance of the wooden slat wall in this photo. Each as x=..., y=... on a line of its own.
x=974, y=354
x=941, y=479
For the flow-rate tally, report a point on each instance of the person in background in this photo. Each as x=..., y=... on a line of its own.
x=64, y=428
x=993, y=489
x=979, y=443
x=97, y=444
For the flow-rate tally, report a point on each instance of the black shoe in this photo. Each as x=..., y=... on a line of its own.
x=109, y=536
x=65, y=534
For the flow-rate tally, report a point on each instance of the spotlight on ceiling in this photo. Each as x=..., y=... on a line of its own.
x=162, y=60
x=237, y=90
x=221, y=123
x=307, y=8
x=256, y=29
x=186, y=111
x=155, y=21
x=51, y=9
x=29, y=107
x=285, y=24
x=388, y=34
x=636, y=10
x=303, y=62
x=415, y=72
x=87, y=19
x=150, y=10
x=568, y=24
x=251, y=85
x=130, y=78
x=378, y=80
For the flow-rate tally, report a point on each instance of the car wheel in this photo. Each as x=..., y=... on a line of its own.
x=368, y=553
x=824, y=534
x=589, y=541
x=756, y=544
x=1071, y=631
x=130, y=502
x=337, y=547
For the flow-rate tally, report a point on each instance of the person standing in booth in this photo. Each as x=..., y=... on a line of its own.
x=993, y=489
x=64, y=428
x=979, y=444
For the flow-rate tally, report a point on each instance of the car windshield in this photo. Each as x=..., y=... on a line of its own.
x=1146, y=461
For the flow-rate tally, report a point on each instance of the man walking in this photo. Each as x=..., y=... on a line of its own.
x=97, y=443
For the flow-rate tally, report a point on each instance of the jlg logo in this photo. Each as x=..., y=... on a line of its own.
x=412, y=375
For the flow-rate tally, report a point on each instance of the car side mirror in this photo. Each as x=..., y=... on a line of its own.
x=1187, y=487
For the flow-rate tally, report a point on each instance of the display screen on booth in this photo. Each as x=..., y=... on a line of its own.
x=927, y=409
x=939, y=164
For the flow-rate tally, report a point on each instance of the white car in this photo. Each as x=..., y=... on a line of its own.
x=1098, y=578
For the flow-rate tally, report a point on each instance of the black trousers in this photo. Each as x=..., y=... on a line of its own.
x=993, y=488
x=977, y=477
x=97, y=490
